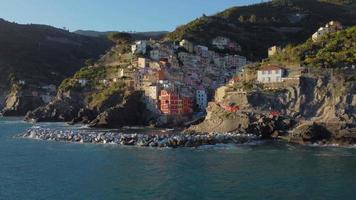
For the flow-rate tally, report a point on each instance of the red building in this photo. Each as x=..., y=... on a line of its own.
x=163, y=61
x=172, y=104
x=161, y=74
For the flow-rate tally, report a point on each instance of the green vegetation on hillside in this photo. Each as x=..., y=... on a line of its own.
x=332, y=51
x=96, y=99
x=42, y=54
x=257, y=27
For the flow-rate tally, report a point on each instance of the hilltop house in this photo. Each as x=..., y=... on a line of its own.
x=274, y=50
x=187, y=45
x=270, y=74
x=330, y=27
x=83, y=82
x=139, y=47
x=225, y=43
x=220, y=42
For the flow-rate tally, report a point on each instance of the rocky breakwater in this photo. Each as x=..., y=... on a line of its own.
x=141, y=140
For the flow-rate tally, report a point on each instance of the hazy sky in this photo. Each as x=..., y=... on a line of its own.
x=121, y=15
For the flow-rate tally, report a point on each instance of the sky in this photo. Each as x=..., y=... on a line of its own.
x=113, y=15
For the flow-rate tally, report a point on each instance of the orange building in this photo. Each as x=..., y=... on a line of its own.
x=172, y=104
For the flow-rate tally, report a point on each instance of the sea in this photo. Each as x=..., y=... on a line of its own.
x=36, y=170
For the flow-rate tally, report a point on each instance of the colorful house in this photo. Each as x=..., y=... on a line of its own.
x=173, y=104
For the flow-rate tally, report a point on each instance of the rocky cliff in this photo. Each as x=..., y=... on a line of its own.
x=124, y=108
x=323, y=100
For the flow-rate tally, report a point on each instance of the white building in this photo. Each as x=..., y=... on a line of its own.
x=235, y=61
x=50, y=88
x=151, y=97
x=83, y=82
x=201, y=99
x=330, y=27
x=155, y=54
x=139, y=47
x=220, y=42
x=321, y=32
x=142, y=62
x=202, y=51
x=152, y=92
x=270, y=74
x=187, y=45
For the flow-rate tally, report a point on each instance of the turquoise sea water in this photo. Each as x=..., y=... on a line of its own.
x=31, y=169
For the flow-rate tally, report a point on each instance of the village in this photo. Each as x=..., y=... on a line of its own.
x=180, y=78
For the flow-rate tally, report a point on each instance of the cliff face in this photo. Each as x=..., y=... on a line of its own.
x=19, y=101
x=124, y=108
x=327, y=99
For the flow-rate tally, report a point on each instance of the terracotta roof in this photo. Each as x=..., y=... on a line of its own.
x=269, y=67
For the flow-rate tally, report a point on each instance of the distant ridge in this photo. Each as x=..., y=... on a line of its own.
x=135, y=35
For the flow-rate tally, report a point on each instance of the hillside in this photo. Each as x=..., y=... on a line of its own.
x=99, y=101
x=332, y=51
x=40, y=55
x=43, y=53
x=257, y=27
x=316, y=94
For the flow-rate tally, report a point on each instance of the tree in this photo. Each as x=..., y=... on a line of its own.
x=253, y=19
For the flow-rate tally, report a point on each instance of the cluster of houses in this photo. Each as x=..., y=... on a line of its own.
x=45, y=92
x=331, y=27
x=180, y=78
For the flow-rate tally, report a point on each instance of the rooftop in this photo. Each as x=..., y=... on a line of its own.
x=269, y=67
